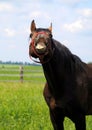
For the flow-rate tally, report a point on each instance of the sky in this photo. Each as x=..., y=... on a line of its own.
x=71, y=22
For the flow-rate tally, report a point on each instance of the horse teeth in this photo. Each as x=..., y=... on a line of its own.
x=40, y=46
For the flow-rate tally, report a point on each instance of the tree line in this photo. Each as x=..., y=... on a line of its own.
x=15, y=62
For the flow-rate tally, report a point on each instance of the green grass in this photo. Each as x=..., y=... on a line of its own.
x=22, y=106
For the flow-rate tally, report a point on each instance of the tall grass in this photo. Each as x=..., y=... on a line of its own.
x=22, y=106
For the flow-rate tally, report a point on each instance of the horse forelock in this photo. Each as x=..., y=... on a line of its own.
x=42, y=29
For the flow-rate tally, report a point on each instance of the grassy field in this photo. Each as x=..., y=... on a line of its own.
x=22, y=106
x=12, y=73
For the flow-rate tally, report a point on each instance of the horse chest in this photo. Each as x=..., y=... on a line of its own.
x=66, y=106
x=62, y=101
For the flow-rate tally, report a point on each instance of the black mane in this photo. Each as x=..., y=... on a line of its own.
x=69, y=60
x=63, y=68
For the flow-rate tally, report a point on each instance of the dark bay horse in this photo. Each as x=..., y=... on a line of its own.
x=68, y=91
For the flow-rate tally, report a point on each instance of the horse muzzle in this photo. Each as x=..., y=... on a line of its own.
x=40, y=47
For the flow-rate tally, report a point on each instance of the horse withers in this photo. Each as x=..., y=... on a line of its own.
x=68, y=90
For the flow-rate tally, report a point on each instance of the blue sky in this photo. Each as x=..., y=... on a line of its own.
x=71, y=20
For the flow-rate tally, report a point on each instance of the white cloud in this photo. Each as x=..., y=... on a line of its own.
x=86, y=18
x=9, y=32
x=66, y=42
x=75, y=26
x=85, y=12
x=5, y=7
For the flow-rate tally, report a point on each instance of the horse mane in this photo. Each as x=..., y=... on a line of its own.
x=80, y=65
x=71, y=61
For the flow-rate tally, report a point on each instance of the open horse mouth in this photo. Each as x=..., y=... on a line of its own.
x=40, y=45
x=40, y=48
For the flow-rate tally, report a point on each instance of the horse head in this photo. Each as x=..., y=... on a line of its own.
x=41, y=42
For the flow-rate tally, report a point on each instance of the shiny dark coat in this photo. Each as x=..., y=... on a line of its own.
x=68, y=91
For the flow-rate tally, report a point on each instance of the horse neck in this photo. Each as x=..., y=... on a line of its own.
x=54, y=74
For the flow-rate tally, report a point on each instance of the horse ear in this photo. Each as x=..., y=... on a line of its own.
x=33, y=26
x=50, y=28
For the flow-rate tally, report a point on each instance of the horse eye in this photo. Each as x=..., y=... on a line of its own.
x=50, y=35
x=31, y=35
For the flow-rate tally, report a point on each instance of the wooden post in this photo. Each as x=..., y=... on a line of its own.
x=21, y=74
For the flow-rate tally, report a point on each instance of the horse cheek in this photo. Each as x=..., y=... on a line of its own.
x=31, y=51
